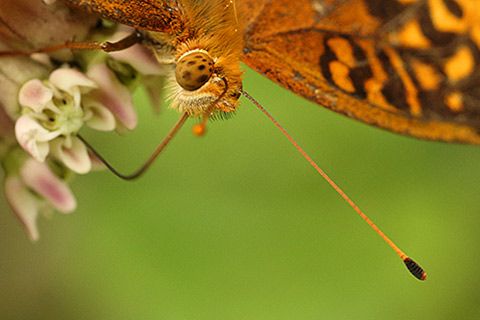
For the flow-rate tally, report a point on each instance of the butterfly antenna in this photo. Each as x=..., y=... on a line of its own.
x=412, y=266
x=170, y=135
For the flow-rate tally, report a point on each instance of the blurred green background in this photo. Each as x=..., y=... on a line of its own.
x=236, y=225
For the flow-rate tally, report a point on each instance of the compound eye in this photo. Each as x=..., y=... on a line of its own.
x=194, y=70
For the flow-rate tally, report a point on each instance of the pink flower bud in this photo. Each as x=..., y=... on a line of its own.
x=138, y=56
x=38, y=176
x=113, y=95
x=24, y=204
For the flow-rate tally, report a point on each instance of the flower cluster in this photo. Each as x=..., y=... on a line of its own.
x=54, y=110
x=45, y=100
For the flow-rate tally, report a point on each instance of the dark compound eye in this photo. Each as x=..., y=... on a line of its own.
x=194, y=70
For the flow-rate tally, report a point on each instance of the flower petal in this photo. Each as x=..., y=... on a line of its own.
x=74, y=154
x=113, y=95
x=23, y=204
x=14, y=72
x=38, y=176
x=67, y=79
x=35, y=95
x=97, y=116
x=33, y=137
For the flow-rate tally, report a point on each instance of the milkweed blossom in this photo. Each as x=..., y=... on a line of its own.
x=45, y=100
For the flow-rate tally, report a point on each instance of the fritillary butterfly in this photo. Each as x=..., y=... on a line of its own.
x=408, y=66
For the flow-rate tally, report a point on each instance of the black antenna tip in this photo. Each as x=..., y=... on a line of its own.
x=415, y=269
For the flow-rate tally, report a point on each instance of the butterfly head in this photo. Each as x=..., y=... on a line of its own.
x=205, y=84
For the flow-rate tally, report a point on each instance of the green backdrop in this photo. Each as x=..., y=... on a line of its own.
x=236, y=225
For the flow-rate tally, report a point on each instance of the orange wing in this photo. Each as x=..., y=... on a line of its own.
x=412, y=67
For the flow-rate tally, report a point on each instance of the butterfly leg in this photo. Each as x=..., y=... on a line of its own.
x=132, y=39
x=127, y=42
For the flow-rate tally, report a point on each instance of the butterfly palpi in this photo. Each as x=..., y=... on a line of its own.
x=408, y=66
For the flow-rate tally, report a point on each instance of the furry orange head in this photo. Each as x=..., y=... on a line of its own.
x=206, y=80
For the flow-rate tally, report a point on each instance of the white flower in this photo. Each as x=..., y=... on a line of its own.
x=96, y=116
x=55, y=110
x=33, y=137
x=35, y=95
x=73, y=153
x=71, y=81
x=43, y=107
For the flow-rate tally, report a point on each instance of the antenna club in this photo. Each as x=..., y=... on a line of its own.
x=415, y=269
